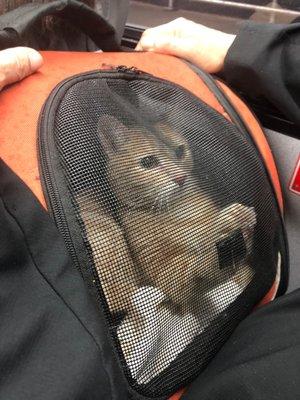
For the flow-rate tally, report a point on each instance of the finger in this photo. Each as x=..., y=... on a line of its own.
x=151, y=36
x=141, y=46
x=161, y=36
x=154, y=42
x=17, y=63
x=164, y=44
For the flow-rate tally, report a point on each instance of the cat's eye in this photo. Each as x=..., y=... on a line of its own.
x=149, y=162
x=180, y=152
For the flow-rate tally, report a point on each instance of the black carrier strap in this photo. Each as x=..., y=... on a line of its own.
x=16, y=24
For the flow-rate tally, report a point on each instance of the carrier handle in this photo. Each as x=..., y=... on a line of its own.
x=15, y=24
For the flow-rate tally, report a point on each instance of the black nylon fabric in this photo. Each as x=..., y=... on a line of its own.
x=51, y=336
x=84, y=30
x=272, y=56
x=260, y=361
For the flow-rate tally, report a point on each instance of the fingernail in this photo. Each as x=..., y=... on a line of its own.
x=36, y=60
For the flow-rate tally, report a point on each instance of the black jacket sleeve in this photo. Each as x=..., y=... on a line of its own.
x=264, y=60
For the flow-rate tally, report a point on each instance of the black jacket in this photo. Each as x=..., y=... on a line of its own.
x=264, y=60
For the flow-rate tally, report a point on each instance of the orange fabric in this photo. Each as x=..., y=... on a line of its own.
x=269, y=296
x=177, y=395
x=259, y=139
x=264, y=149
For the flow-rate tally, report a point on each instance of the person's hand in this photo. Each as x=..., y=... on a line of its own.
x=196, y=43
x=17, y=63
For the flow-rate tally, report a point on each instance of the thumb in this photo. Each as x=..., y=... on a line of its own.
x=160, y=40
x=17, y=63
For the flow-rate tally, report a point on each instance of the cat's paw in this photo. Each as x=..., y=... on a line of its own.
x=243, y=276
x=238, y=216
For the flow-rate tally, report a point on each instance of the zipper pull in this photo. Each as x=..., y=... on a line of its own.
x=122, y=68
x=131, y=70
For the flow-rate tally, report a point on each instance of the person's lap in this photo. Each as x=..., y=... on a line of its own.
x=261, y=360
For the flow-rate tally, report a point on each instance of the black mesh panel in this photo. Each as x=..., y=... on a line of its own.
x=177, y=218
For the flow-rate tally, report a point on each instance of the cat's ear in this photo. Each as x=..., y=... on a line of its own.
x=113, y=134
x=169, y=132
x=162, y=126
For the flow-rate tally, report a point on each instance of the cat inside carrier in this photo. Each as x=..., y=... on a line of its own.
x=173, y=209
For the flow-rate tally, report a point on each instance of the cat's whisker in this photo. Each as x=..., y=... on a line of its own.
x=168, y=204
x=158, y=199
x=158, y=203
x=154, y=205
x=161, y=202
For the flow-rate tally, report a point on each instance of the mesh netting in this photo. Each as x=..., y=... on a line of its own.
x=177, y=216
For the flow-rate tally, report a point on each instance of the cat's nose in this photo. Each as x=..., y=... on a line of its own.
x=180, y=180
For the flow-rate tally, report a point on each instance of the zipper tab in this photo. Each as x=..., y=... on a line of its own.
x=122, y=69
x=132, y=70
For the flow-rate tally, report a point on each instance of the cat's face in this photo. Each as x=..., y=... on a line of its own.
x=146, y=169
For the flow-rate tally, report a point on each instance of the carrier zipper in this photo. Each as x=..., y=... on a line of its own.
x=130, y=70
x=122, y=69
x=50, y=190
x=222, y=98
